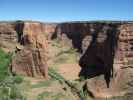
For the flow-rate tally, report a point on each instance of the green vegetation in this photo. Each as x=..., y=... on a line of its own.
x=4, y=63
x=43, y=95
x=9, y=89
x=9, y=85
x=62, y=53
x=68, y=84
x=58, y=96
x=42, y=84
x=67, y=55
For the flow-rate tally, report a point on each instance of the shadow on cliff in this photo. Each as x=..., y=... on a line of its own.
x=98, y=58
x=19, y=26
x=74, y=32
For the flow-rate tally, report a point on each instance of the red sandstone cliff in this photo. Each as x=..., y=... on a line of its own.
x=106, y=49
x=8, y=36
x=32, y=59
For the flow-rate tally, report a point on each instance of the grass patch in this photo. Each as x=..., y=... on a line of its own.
x=68, y=55
x=42, y=96
x=58, y=96
x=9, y=89
x=50, y=96
x=69, y=51
x=62, y=54
x=42, y=84
x=4, y=64
x=9, y=85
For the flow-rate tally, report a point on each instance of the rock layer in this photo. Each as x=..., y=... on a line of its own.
x=106, y=60
x=8, y=36
x=32, y=59
x=106, y=49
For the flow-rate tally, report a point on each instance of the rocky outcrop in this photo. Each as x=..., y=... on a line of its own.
x=106, y=49
x=107, y=62
x=72, y=34
x=49, y=29
x=28, y=39
x=79, y=34
x=8, y=37
x=32, y=59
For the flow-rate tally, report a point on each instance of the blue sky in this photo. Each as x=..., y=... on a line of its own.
x=66, y=10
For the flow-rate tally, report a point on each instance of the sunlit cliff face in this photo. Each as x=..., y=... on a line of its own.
x=106, y=48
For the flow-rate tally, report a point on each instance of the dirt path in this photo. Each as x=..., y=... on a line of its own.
x=69, y=71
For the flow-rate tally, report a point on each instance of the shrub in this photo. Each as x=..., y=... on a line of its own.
x=8, y=84
x=18, y=79
x=43, y=95
x=42, y=84
x=4, y=63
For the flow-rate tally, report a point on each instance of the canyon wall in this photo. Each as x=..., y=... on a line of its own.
x=8, y=36
x=27, y=41
x=32, y=59
x=107, y=55
x=106, y=49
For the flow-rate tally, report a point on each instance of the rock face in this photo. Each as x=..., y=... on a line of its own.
x=49, y=29
x=79, y=34
x=29, y=41
x=107, y=59
x=106, y=49
x=117, y=65
x=32, y=59
x=72, y=34
x=8, y=37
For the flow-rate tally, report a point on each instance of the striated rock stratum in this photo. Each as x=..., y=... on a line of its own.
x=8, y=36
x=106, y=50
x=27, y=42
x=107, y=55
x=32, y=59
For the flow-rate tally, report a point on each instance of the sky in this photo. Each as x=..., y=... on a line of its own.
x=66, y=10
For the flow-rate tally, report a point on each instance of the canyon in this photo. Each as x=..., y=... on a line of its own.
x=105, y=49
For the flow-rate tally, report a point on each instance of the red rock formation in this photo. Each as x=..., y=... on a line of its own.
x=32, y=60
x=107, y=55
x=8, y=36
x=31, y=37
x=106, y=47
x=72, y=33
x=49, y=29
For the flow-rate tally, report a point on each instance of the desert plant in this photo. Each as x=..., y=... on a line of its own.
x=18, y=79
x=8, y=84
x=42, y=84
x=43, y=95
x=4, y=63
x=9, y=89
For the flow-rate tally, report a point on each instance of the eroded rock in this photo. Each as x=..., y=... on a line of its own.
x=8, y=37
x=106, y=60
x=106, y=48
x=32, y=60
x=106, y=65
